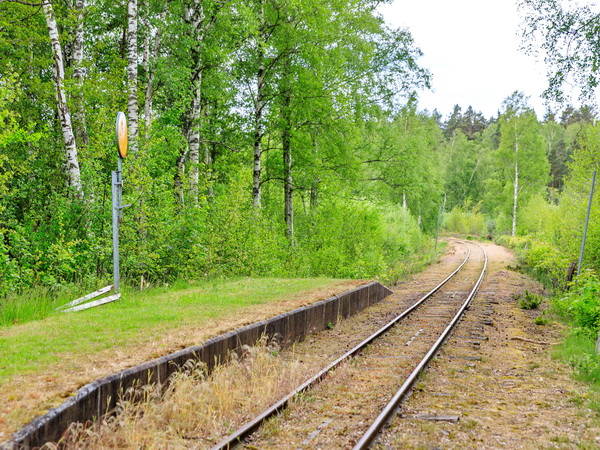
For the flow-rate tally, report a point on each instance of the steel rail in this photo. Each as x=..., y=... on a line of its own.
x=390, y=409
x=247, y=429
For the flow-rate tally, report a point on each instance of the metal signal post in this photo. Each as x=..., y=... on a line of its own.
x=587, y=221
x=117, y=194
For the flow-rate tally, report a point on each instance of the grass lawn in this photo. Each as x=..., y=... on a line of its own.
x=138, y=318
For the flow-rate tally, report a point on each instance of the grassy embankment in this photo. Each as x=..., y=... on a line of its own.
x=138, y=318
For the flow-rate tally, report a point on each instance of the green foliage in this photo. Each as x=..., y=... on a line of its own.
x=582, y=302
x=579, y=350
x=413, y=264
x=565, y=32
x=354, y=240
x=541, y=320
x=466, y=163
x=541, y=259
x=530, y=301
x=520, y=164
x=331, y=72
x=536, y=216
x=462, y=221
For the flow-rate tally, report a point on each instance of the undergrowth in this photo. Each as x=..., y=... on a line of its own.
x=530, y=301
x=580, y=306
x=412, y=264
x=578, y=350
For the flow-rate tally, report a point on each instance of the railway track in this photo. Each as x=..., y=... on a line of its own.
x=350, y=408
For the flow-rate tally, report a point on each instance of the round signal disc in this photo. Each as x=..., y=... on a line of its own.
x=122, y=139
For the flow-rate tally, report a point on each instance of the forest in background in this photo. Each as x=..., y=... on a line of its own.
x=267, y=137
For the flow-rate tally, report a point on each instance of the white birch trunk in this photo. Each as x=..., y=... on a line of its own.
x=194, y=15
x=73, y=172
x=288, y=190
x=132, y=75
x=259, y=104
x=258, y=135
x=179, y=194
x=515, y=197
x=516, y=191
x=78, y=75
x=404, y=199
x=193, y=137
x=208, y=159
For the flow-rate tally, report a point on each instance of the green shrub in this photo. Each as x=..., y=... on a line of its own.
x=541, y=260
x=541, y=320
x=536, y=216
x=582, y=302
x=530, y=301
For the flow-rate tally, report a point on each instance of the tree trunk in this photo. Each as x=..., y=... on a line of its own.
x=132, y=75
x=208, y=160
x=515, y=192
x=179, y=174
x=194, y=149
x=78, y=75
x=73, y=173
x=145, y=18
x=194, y=15
x=258, y=114
x=287, y=171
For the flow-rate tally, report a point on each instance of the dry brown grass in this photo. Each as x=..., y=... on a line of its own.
x=196, y=409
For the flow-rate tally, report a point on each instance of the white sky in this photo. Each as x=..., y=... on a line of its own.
x=472, y=49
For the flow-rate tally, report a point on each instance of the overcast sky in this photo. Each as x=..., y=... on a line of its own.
x=472, y=49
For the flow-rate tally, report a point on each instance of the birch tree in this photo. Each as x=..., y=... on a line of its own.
x=565, y=35
x=64, y=114
x=521, y=160
x=201, y=17
x=259, y=103
x=132, y=74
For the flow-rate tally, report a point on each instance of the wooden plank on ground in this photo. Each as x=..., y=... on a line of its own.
x=437, y=418
x=102, y=301
x=85, y=298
